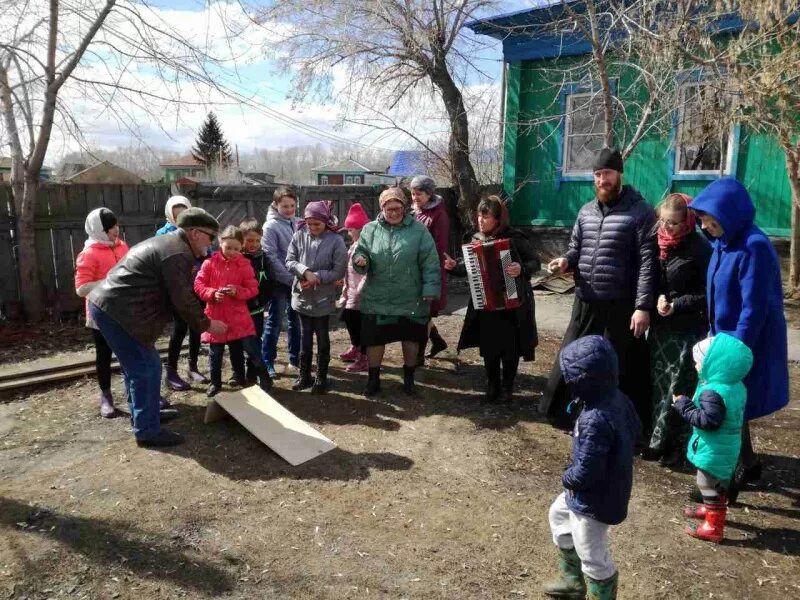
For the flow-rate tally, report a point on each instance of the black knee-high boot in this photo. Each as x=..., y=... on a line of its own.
x=510, y=367
x=304, y=379
x=373, y=382
x=408, y=380
x=437, y=342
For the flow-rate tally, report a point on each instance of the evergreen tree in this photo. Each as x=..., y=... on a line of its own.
x=211, y=148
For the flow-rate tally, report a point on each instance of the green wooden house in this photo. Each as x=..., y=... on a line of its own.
x=547, y=168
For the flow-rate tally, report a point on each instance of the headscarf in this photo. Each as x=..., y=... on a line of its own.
x=98, y=222
x=172, y=203
x=393, y=193
x=700, y=349
x=667, y=240
x=321, y=210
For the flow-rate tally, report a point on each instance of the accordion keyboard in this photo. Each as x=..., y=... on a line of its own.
x=476, y=288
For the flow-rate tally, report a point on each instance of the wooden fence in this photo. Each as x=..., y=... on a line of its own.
x=61, y=213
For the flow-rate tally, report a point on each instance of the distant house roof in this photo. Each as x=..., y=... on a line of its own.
x=182, y=161
x=105, y=172
x=5, y=163
x=342, y=166
x=408, y=163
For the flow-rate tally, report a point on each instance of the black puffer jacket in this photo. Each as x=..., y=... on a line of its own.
x=614, y=255
x=683, y=281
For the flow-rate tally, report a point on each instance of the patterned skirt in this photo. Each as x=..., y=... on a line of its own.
x=673, y=373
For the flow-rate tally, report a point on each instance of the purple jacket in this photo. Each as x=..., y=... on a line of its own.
x=434, y=216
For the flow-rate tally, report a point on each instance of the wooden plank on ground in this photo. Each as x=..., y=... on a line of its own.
x=290, y=437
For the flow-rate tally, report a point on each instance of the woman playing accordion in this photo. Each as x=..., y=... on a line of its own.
x=505, y=328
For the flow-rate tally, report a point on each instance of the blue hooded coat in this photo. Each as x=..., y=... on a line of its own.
x=600, y=478
x=745, y=297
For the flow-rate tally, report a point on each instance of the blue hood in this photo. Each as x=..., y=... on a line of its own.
x=590, y=364
x=728, y=202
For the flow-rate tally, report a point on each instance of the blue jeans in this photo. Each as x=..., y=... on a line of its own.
x=280, y=302
x=141, y=366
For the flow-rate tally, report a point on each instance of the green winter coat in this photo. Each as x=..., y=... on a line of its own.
x=725, y=365
x=402, y=268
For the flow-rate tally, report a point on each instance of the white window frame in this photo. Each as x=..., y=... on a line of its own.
x=349, y=179
x=729, y=150
x=323, y=180
x=568, y=135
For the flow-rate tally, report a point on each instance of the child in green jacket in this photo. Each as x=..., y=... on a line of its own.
x=716, y=413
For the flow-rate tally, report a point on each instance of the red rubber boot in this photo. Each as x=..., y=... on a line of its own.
x=711, y=529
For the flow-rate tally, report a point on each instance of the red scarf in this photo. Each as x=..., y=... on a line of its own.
x=667, y=240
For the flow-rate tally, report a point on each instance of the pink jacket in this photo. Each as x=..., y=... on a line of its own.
x=353, y=283
x=216, y=273
x=93, y=264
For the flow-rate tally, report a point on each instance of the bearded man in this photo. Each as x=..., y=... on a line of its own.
x=613, y=255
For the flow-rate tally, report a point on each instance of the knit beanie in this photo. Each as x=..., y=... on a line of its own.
x=197, y=217
x=424, y=183
x=700, y=349
x=108, y=219
x=356, y=217
x=393, y=193
x=608, y=159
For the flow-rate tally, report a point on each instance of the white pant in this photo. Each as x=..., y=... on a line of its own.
x=587, y=536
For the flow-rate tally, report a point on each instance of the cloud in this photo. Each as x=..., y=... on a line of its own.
x=163, y=107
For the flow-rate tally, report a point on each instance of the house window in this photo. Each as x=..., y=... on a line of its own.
x=584, y=132
x=352, y=179
x=702, y=147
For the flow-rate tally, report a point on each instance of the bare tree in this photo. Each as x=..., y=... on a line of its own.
x=386, y=51
x=56, y=56
x=750, y=50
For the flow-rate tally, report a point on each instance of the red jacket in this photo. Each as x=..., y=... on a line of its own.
x=218, y=272
x=94, y=263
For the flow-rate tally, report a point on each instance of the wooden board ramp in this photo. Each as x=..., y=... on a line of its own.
x=287, y=435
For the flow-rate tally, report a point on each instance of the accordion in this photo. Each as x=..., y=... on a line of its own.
x=489, y=285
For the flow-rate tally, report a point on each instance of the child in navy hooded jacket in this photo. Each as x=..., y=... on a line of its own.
x=598, y=482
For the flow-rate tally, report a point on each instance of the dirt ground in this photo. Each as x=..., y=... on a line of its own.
x=432, y=497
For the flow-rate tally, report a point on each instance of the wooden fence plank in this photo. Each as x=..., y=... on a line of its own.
x=76, y=200
x=112, y=198
x=94, y=198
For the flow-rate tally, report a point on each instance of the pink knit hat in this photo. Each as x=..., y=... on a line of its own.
x=356, y=217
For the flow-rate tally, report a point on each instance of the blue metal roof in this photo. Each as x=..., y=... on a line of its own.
x=408, y=163
x=527, y=35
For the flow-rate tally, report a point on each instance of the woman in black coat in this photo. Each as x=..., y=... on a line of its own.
x=680, y=321
x=502, y=336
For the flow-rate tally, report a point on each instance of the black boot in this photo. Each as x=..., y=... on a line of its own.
x=264, y=380
x=510, y=367
x=321, y=380
x=373, y=382
x=408, y=380
x=492, y=391
x=421, y=353
x=437, y=343
x=304, y=379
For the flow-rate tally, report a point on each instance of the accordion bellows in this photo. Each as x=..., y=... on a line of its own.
x=490, y=286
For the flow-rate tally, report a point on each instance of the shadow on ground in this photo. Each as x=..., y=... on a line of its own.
x=110, y=543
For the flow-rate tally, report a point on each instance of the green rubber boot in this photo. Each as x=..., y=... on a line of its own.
x=605, y=589
x=570, y=584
